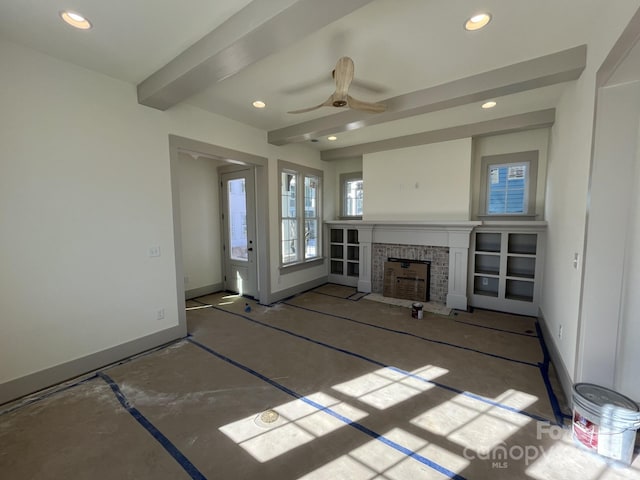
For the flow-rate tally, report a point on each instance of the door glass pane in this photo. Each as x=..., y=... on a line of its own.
x=238, y=219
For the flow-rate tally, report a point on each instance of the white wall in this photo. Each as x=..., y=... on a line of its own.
x=200, y=221
x=567, y=185
x=628, y=360
x=85, y=190
x=511, y=143
x=611, y=194
x=427, y=182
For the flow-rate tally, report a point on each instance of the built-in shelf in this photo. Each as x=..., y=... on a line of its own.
x=488, y=242
x=523, y=243
x=345, y=255
x=487, y=264
x=487, y=286
x=505, y=268
x=337, y=267
x=353, y=269
x=337, y=235
x=518, y=266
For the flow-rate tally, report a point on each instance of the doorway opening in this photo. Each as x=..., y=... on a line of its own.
x=229, y=164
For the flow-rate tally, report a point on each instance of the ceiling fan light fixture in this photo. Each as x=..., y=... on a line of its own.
x=75, y=20
x=259, y=104
x=332, y=138
x=489, y=104
x=477, y=22
x=343, y=76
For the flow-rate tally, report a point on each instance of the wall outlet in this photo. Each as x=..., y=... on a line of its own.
x=160, y=314
x=560, y=332
x=154, y=251
x=576, y=261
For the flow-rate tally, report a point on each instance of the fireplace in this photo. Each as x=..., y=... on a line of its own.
x=437, y=256
x=408, y=279
x=443, y=243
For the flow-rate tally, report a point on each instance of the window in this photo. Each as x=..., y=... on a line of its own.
x=352, y=195
x=300, y=213
x=507, y=190
x=508, y=184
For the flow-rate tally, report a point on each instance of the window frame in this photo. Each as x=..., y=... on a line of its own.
x=301, y=173
x=530, y=158
x=344, y=178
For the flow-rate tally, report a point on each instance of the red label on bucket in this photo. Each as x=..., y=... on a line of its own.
x=585, y=431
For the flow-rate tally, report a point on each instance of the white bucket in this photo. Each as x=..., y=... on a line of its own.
x=605, y=421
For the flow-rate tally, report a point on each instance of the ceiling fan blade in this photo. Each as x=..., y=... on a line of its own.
x=327, y=103
x=343, y=75
x=365, y=106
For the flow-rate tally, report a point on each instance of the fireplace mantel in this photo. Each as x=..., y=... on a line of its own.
x=452, y=234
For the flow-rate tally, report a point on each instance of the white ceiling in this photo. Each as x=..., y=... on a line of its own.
x=398, y=46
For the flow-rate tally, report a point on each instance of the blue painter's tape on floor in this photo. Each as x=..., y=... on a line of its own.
x=358, y=426
x=155, y=433
x=350, y=297
x=496, y=329
x=413, y=335
x=381, y=364
x=544, y=371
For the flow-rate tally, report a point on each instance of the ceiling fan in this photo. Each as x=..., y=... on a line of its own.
x=343, y=75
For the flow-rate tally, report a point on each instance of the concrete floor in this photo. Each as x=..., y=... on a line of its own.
x=325, y=385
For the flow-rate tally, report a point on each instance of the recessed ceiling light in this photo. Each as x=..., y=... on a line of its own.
x=332, y=138
x=76, y=20
x=259, y=104
x=489, y=104
x=477, y=21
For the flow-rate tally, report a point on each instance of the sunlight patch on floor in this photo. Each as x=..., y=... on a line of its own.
x=199, y=307
x=376, y=460
x=386, y=387
x=577, y=463
x=474, y=424
x=298, y=423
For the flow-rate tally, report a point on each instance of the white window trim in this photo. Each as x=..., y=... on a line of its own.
x=505, y=160
x=344, y=178
x=302, y=171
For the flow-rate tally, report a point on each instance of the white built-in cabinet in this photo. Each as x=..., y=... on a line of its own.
x=344, y=255
x=505, y=267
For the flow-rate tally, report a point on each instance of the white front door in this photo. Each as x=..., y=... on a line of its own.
x=239, y=225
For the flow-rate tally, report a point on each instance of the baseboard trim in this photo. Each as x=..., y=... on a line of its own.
x=34, y=382
x=201, y=291
x=563, y=374
x=290, y=292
